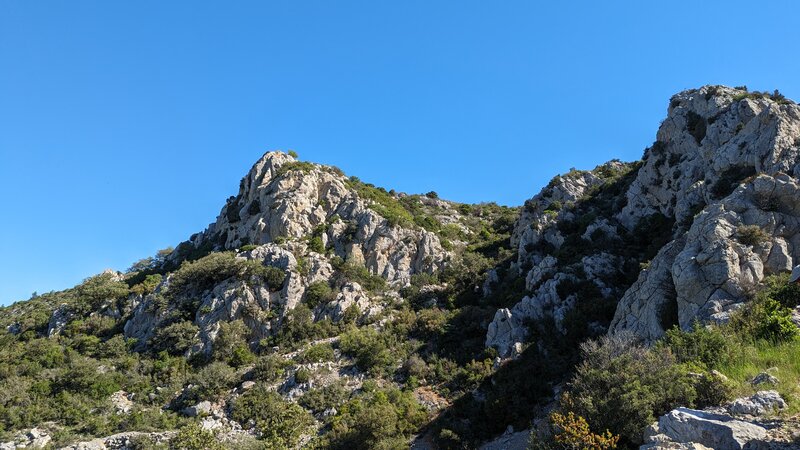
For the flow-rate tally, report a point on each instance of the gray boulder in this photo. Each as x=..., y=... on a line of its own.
x=759, y=404
x=717, y=431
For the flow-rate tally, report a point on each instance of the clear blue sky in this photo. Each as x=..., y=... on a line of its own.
x=124, y=126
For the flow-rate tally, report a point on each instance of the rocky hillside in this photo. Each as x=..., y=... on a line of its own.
x=321, y=311
x=722, y=172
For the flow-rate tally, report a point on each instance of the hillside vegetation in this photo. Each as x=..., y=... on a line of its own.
x=320, y=311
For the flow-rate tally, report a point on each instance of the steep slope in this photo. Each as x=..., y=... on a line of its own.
x=725, y=160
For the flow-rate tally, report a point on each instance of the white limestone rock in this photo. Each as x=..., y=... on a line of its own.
x=759, y=404
x=717, y=431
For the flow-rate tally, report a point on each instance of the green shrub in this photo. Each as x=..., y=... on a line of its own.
x=100, y=288
x=248, y=247
x=622, y=387
x=751, y=235
x=382, y=203
x=707, y=346
x=204, y=273
x=295, y=166
x=231, y=344
x=269, y=368
x=368, y=348
x=376, y=419
x=712, y=388
x=279, y=423
x=299, y=327
x=292, y=153
x=81, y=377
x=193, y=437
x=360, y=274
x=554, y=206
x=175, y=338
x=148, y=285
x=212, y=381
x=302, y=376
x=315, y=244
x=780, y=289
x=317, y=353
x=319, y=293
x=769, y=315
x=773, y=322
x=324, y=398
x=274, y=277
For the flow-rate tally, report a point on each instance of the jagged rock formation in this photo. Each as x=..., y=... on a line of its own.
x=713, y=140
x=282, y=208
x=725, y=162
x=282, y=199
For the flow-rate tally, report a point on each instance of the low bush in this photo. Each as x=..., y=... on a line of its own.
x=317, y=353
x=194, y=277
x=98, y=289
x=780, y=289
x=571, y=432
x=368, y=348
x=376, y=419
x=358, y=273
x=325, y=398
x=148, y=285
x=302, y=376
x=708, y=346
x=231, y=344
x=210, y=382
x=751, y=235
x=622, y=387
x=279, y=423
x=295, y=166
x=318, y=293
x=193, y=437
x=269, y=368
x=175, y=338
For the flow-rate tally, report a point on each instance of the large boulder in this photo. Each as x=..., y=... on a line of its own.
x=691, y=426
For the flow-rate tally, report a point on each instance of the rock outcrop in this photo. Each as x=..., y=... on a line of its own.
x=283, y=199
x=298, y=217
x=716, y=195
x=745, y=423
x=717, y=431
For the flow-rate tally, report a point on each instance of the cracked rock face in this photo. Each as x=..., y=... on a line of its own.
x=711, y=271
x=722, y=160
x=735, y=162
x=275, y=204
x=281, y=206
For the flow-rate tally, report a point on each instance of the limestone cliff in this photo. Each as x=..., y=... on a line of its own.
x=724, y=161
